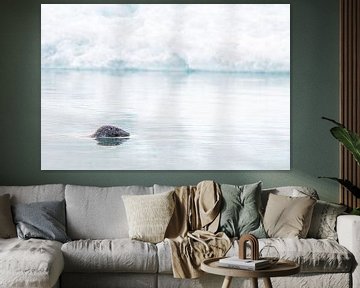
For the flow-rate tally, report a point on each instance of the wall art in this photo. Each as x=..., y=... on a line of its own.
x=165, y=87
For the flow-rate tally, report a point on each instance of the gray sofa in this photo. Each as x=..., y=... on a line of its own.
x=101, y=254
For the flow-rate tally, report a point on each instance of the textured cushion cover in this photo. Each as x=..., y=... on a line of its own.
x=287, y=216
x=31, y=263
x=98, y=213
x=149, y=215
x=323, y=222
x=7, y=227
x=117, y=255
x=44, y=220
x=240, y=213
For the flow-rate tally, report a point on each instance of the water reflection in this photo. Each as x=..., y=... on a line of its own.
x=195, y=121
x=110, y=141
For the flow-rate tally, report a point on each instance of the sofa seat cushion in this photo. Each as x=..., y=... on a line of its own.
x=30, y=263
x=115, y=255
x=313, y=255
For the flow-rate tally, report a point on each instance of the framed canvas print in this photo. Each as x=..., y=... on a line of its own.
x=165, y=87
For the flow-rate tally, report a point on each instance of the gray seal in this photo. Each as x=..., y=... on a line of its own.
x=109, y=131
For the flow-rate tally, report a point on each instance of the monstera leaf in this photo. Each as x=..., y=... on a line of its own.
x=347, y=184
x=349, y=139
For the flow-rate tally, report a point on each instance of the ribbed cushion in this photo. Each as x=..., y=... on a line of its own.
x=98, y=213
x=149, y=215
x=30, y=263
x=117, y=255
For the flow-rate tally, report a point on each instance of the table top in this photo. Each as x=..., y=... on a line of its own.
x=281, y=268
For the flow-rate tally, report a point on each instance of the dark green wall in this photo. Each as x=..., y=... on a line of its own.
x=314, y=93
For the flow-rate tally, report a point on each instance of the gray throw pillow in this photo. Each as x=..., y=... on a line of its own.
x=323, y=222
x=7, y=227
x=240, y=213
x=44, y=220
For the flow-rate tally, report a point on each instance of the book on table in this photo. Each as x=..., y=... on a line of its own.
x=236, y=262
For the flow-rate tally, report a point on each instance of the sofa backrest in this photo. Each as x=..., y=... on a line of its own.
x=98, y=212
x=162, y=188
x=36, y=193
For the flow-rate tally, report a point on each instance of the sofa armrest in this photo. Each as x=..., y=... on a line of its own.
x=348, y=230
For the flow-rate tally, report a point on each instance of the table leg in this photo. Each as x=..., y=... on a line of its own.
x=227, y=282
x=254, y=282
x=267, y=283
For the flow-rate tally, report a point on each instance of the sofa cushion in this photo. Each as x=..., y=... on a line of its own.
x=323, y=222
x=164, y=257
x=30, y=263
x=7, y=226
x=240, y=210
x=313, y=255
x=117, y=255
x=291, y=191
x=98, y=213
x=149, y=215
x=287, y=216
x=36, y=193
x=43, y=220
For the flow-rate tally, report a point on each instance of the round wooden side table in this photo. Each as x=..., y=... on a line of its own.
x=281, y=268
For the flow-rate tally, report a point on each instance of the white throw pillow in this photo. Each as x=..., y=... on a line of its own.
x=149, y=215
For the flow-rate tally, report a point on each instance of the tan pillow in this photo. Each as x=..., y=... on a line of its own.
x=149, y=215
x=288, y=217
x=7, y=226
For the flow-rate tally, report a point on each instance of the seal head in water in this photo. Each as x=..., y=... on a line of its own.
x=109, y=131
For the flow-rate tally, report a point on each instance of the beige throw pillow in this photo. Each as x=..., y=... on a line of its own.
x=288, y=217
x=7, y=226
x=149, y=215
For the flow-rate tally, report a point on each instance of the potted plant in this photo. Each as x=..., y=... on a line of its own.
x=351, y=141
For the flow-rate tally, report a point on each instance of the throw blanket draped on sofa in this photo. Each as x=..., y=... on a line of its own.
x=191, y=231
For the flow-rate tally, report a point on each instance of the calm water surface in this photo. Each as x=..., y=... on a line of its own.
x=177, y=121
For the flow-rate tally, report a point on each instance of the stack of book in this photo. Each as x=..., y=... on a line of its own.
x=248, y=264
